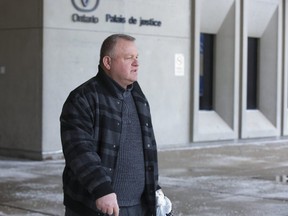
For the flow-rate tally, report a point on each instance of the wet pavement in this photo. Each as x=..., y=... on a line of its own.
x=203, y=180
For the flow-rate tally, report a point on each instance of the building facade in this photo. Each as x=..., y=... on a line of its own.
x=213, y=70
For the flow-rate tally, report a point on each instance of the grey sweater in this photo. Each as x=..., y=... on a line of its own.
x=129, y=173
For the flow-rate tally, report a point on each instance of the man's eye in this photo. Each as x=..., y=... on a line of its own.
x=131, y=57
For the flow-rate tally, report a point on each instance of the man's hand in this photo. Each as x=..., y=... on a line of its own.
x=108, y=204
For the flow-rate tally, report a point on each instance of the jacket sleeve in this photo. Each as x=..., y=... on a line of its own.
x=80, y=146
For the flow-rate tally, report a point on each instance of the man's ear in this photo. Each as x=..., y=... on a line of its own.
x=107, y=62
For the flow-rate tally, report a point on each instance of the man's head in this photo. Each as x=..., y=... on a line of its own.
x=119, y=59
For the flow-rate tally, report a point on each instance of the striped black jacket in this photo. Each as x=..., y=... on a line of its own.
x=90, y=133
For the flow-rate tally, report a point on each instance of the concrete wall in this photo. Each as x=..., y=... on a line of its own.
x=71, y=51
x=220, y=18
x=263, y=20
x=20, y=78
x=285, y=76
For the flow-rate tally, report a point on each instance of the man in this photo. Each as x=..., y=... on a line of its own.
x=108, y=140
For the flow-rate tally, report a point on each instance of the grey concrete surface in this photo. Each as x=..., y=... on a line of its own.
x=207, y=180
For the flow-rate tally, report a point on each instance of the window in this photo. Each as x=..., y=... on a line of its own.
x=252, y=73
x=206, y=71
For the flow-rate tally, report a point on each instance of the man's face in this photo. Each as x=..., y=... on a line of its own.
x=124, y=63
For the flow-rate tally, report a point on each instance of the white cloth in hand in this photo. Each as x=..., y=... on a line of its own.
x=164, y=205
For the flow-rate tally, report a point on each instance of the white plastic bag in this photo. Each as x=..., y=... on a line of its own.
x=164, y=205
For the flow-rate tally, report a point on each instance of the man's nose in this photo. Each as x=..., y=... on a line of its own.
x=135, y=62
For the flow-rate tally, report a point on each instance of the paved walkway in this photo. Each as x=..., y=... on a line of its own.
x=201, y=181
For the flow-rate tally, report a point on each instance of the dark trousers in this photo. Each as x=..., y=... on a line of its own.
x=137, y=210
